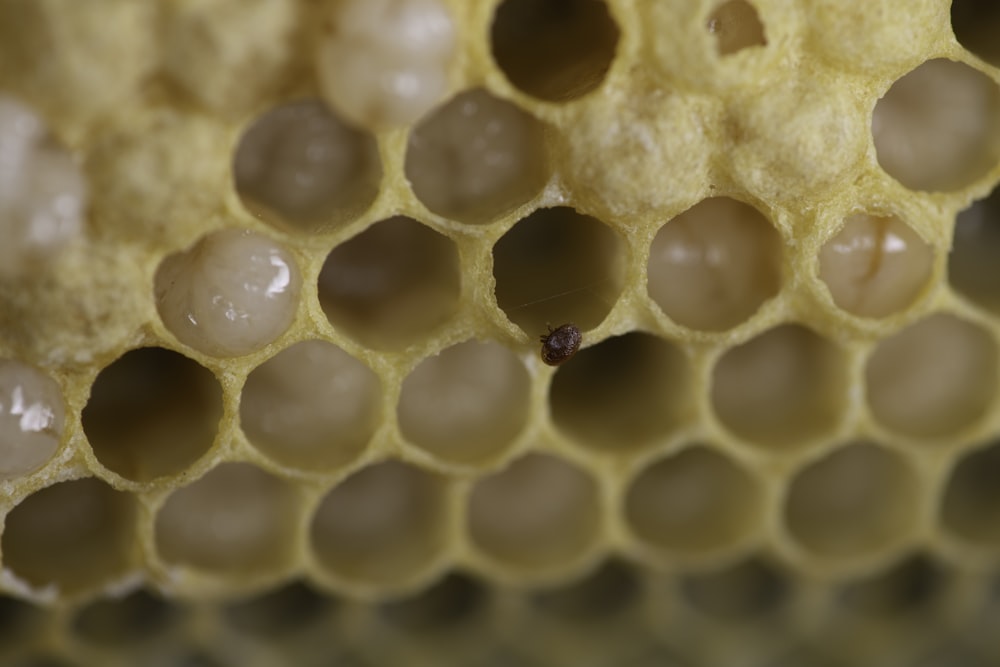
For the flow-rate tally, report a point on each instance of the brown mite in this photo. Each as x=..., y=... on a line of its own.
x=561, y=343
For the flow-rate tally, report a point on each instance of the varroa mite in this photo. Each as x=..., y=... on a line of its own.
x=561, y=343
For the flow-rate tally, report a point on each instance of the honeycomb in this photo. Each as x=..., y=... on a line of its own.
x=273, y=275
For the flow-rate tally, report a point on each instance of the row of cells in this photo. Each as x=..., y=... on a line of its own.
x=390, y=522
x=313, y=407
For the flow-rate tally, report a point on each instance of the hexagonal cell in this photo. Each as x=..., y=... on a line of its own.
x=713, y=265
x=970, y=506
x=736, y=26
x=231, y=293
x=933, y=378
x=382, y=525
x=557, y=266
x=300, y=166
x=43, y=194
x=780, y=389
x=76, y=536
x=556, y=50
x=976, y=24
x=694, y=502
x=278, y=612
x=445, y=606
x=909, y=586
x=466, y=404
x=391, y=284
x=235, y=520
x=971, y=265
x=32, y=418
x=610, y=589
x=385, y=62
x=152, y=413
x=875, y=266
x=854, y=502
x=624, y=393
x=938, y=126
x=311, y=406
x=477, y=157
x=746, y=591
x=117, y=622
x=539, y=512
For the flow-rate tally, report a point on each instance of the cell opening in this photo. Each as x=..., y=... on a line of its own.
x=624, y=393
x=299, y=166
x=311, y=406
x=736, y=26
x=392, y=284
x=382, y=525
x=477, y=157
x=32, y=418
x=938, y=126
x=611, y=589
x=443, y=607
x=854, y=502
x=909, y=586
x=714, y=265
x=933, y=378
x=280, y=612
x=467, y=404
x=694, y=502
x=19, y=620
x=77, y=536
x=231, y=293
x=152, y=413
x=555, y=50
x=557, y=266
x=970, y=507
x=539, y=512
x=875, y=266
x=747, y=591
x=971, y=265
x=976, y=24
x=117, y=622
x=236, y=520
x=780, y=389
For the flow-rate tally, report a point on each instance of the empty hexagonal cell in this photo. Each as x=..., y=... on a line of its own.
x=713, y=266
x=19, y=620
x=477, y=157
x=557, y=266
x=382, y=525
x=117, y=622
x=391, y=284
x=933, y=378
x=151, y=413
x=538, y=512
x=747, y=590
x=43, y=195
x=694, y=502
x=556, y=50
x=299, y=165
x=736, y=26
x=938, y=126
x=623, y=393
x=875, y=266
x=970, y=508
x=32, y=418
x=971, y=265
x=780, y=389
x=467, y=403
x=231, y=293
x=278, y=612
x=976, y=24
x=448, y=604
x=906, y=587
x=237, y=519
x=75, y=536
x=611, y=588
x=311, y=406
x=856, y=501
